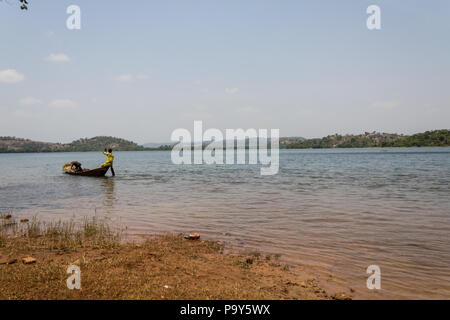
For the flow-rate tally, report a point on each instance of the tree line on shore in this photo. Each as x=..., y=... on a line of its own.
x=14, y=145
x=435, y=138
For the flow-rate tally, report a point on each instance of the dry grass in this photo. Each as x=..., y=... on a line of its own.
x=61, y=235
x=163, y=267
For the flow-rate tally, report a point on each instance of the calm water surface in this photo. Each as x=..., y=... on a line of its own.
x=338, y=211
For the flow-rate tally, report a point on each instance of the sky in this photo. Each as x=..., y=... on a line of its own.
x=141, y=69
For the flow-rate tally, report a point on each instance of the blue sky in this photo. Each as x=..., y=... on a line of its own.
x=140, y=69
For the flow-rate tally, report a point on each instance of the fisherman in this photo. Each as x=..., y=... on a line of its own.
x=109, y=160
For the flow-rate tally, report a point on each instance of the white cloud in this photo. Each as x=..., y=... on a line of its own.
x=125, y=78
x=58, y=57
x=29, y=101
x=10, y=76
x=129, y=77
x=63, y=104
x=231, y=90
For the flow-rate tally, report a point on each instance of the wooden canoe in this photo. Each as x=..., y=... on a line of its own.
x=99, y=172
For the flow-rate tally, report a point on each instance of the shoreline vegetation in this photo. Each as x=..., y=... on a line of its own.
x=435, y=138
x=34, y=257
x=19, y=145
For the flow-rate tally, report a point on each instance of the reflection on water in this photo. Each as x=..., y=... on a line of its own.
x=336, y=210
x=110, y=197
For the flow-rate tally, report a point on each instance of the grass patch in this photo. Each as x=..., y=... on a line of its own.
x=60, y=235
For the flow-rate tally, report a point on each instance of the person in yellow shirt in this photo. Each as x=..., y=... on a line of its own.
x=109, y=160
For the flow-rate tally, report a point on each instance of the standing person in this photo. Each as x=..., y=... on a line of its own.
x=109, y=160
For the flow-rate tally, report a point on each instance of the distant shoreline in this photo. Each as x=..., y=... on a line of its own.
x=435, y=138
x=156, y=150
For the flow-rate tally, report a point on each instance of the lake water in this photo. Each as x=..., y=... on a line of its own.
x=337, y=211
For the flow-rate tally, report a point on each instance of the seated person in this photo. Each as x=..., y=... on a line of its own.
x=76, y=166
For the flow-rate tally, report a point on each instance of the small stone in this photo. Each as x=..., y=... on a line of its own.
x=249, y=261
x=29, y=260
x=303, y=284
x=6, y=216
x=23, y=220
x=194, y=236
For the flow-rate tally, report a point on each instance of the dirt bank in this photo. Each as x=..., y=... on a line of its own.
x=162, y=267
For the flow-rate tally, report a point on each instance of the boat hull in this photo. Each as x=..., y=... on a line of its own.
x=99, y=172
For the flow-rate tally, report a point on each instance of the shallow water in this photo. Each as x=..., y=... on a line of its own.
x=338, y=211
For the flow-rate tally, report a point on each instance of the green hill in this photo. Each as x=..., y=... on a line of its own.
x=102, y=142
x=365, y=140
x=436, y=138
x=13, y=144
